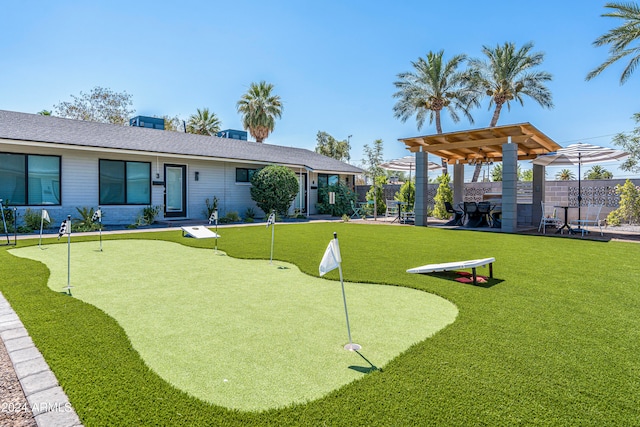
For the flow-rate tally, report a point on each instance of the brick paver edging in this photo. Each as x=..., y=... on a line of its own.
x=48, y=402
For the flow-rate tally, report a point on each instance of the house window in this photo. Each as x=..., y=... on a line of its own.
x=125, y=183
x=324, y=181
x=244, y=174
x=29, y=180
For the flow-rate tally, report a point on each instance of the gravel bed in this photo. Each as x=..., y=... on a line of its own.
x=14, y=408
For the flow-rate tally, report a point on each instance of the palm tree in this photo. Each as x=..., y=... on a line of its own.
x=620, y=38
x=507, y=75
x=259, y=109
x=598, y=172
x=565, y=175
x=203, y=123
x=433, y=86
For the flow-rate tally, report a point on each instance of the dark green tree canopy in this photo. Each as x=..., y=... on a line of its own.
x=330, y=147
x=274, y=188
x=100, y=105
x=630, y=142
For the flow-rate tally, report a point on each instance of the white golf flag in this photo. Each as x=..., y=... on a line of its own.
x=331, y=258
x=272, y=219
x=213, y=217
x=96, y=215
x=65, y=228
x=45, y=215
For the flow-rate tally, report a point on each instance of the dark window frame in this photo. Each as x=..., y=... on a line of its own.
x=125, y=190
x=26, y=180
x=249, y=172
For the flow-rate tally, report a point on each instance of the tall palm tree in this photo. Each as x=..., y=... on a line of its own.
x=507, y=75
x=203, y=122
x=565, y=175
x=259, y=109
x=433, y=86
x=620, y=39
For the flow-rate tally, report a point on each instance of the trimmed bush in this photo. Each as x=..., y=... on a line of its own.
x=274, y=188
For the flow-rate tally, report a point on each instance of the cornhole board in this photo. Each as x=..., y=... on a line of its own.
x=199, y=232
x=457, y=265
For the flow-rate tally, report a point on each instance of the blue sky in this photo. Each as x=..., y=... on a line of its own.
x=332, y=62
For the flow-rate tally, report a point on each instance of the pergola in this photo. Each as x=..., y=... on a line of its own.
x=506, y=144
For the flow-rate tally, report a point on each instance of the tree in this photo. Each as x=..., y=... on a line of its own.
x=274, y=188
x=565, y=175
x=526, y=175
x=496, y=173
x=443, y=194
x=376, y=194
x=433, y=86
x=44, y=112
x=597, y=172
x=629, y=207
x=620, y=39
x=259, y=109
x=203, y=122
x=373, y=161
x=330, y=147
x=507, y=75
x=100, y=105
x=407, y=194
x=630, y=143
x=173, y=124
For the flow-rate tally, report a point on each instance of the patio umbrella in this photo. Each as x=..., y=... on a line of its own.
x=579, y=154
x=407, y=163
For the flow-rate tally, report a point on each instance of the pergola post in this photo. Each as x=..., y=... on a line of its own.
x=509, y=187
x=538, y=193
x=458, y=184
x=422, y=183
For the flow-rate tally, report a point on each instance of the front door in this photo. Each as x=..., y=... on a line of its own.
x=300, y=201
x=175, y=191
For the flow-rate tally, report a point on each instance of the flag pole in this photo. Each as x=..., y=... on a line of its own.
x=69, y=255
x=351, y=346
x=216, y=211
x=273, y=232
x=100, y=223
x=41, y=226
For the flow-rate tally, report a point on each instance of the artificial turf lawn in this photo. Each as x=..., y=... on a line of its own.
x=244, y=334
x=552, y=340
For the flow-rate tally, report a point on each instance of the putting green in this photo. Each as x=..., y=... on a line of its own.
x=243, y=334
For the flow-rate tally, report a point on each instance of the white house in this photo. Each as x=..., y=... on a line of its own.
x=63, y=164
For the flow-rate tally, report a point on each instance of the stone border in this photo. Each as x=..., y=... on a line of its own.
x=49, y=403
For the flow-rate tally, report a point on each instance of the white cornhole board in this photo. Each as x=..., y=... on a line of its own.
x=199, y=232
x=457, y=265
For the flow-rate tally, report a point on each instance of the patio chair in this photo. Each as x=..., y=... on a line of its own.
x=408, y=215
x=484, y=209
x=392, y=209
x=592, y=218
x=549, y=217
x=474, y=217
x=357, y=211
x=458, y=215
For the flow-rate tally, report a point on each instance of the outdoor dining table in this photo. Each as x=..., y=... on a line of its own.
x=399, y=206
x=566, y=220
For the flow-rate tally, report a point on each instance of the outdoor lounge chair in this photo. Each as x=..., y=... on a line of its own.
x=592, y=218
x=458, y=215
x=549, y=217
x=392, y=209
x=357, y=211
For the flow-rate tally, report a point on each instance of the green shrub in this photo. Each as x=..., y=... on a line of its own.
x=85, y=221
x=345, y=218
x=376, y=192
x=443, y=194
x=32, y=220
x=231, y=216
x=407, y=194
x=9, y=216
x=274, y=188
x=629, y=209
x=250, y=213
x=342, y=205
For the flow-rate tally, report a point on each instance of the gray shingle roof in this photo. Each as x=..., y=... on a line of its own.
x=33, y=127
